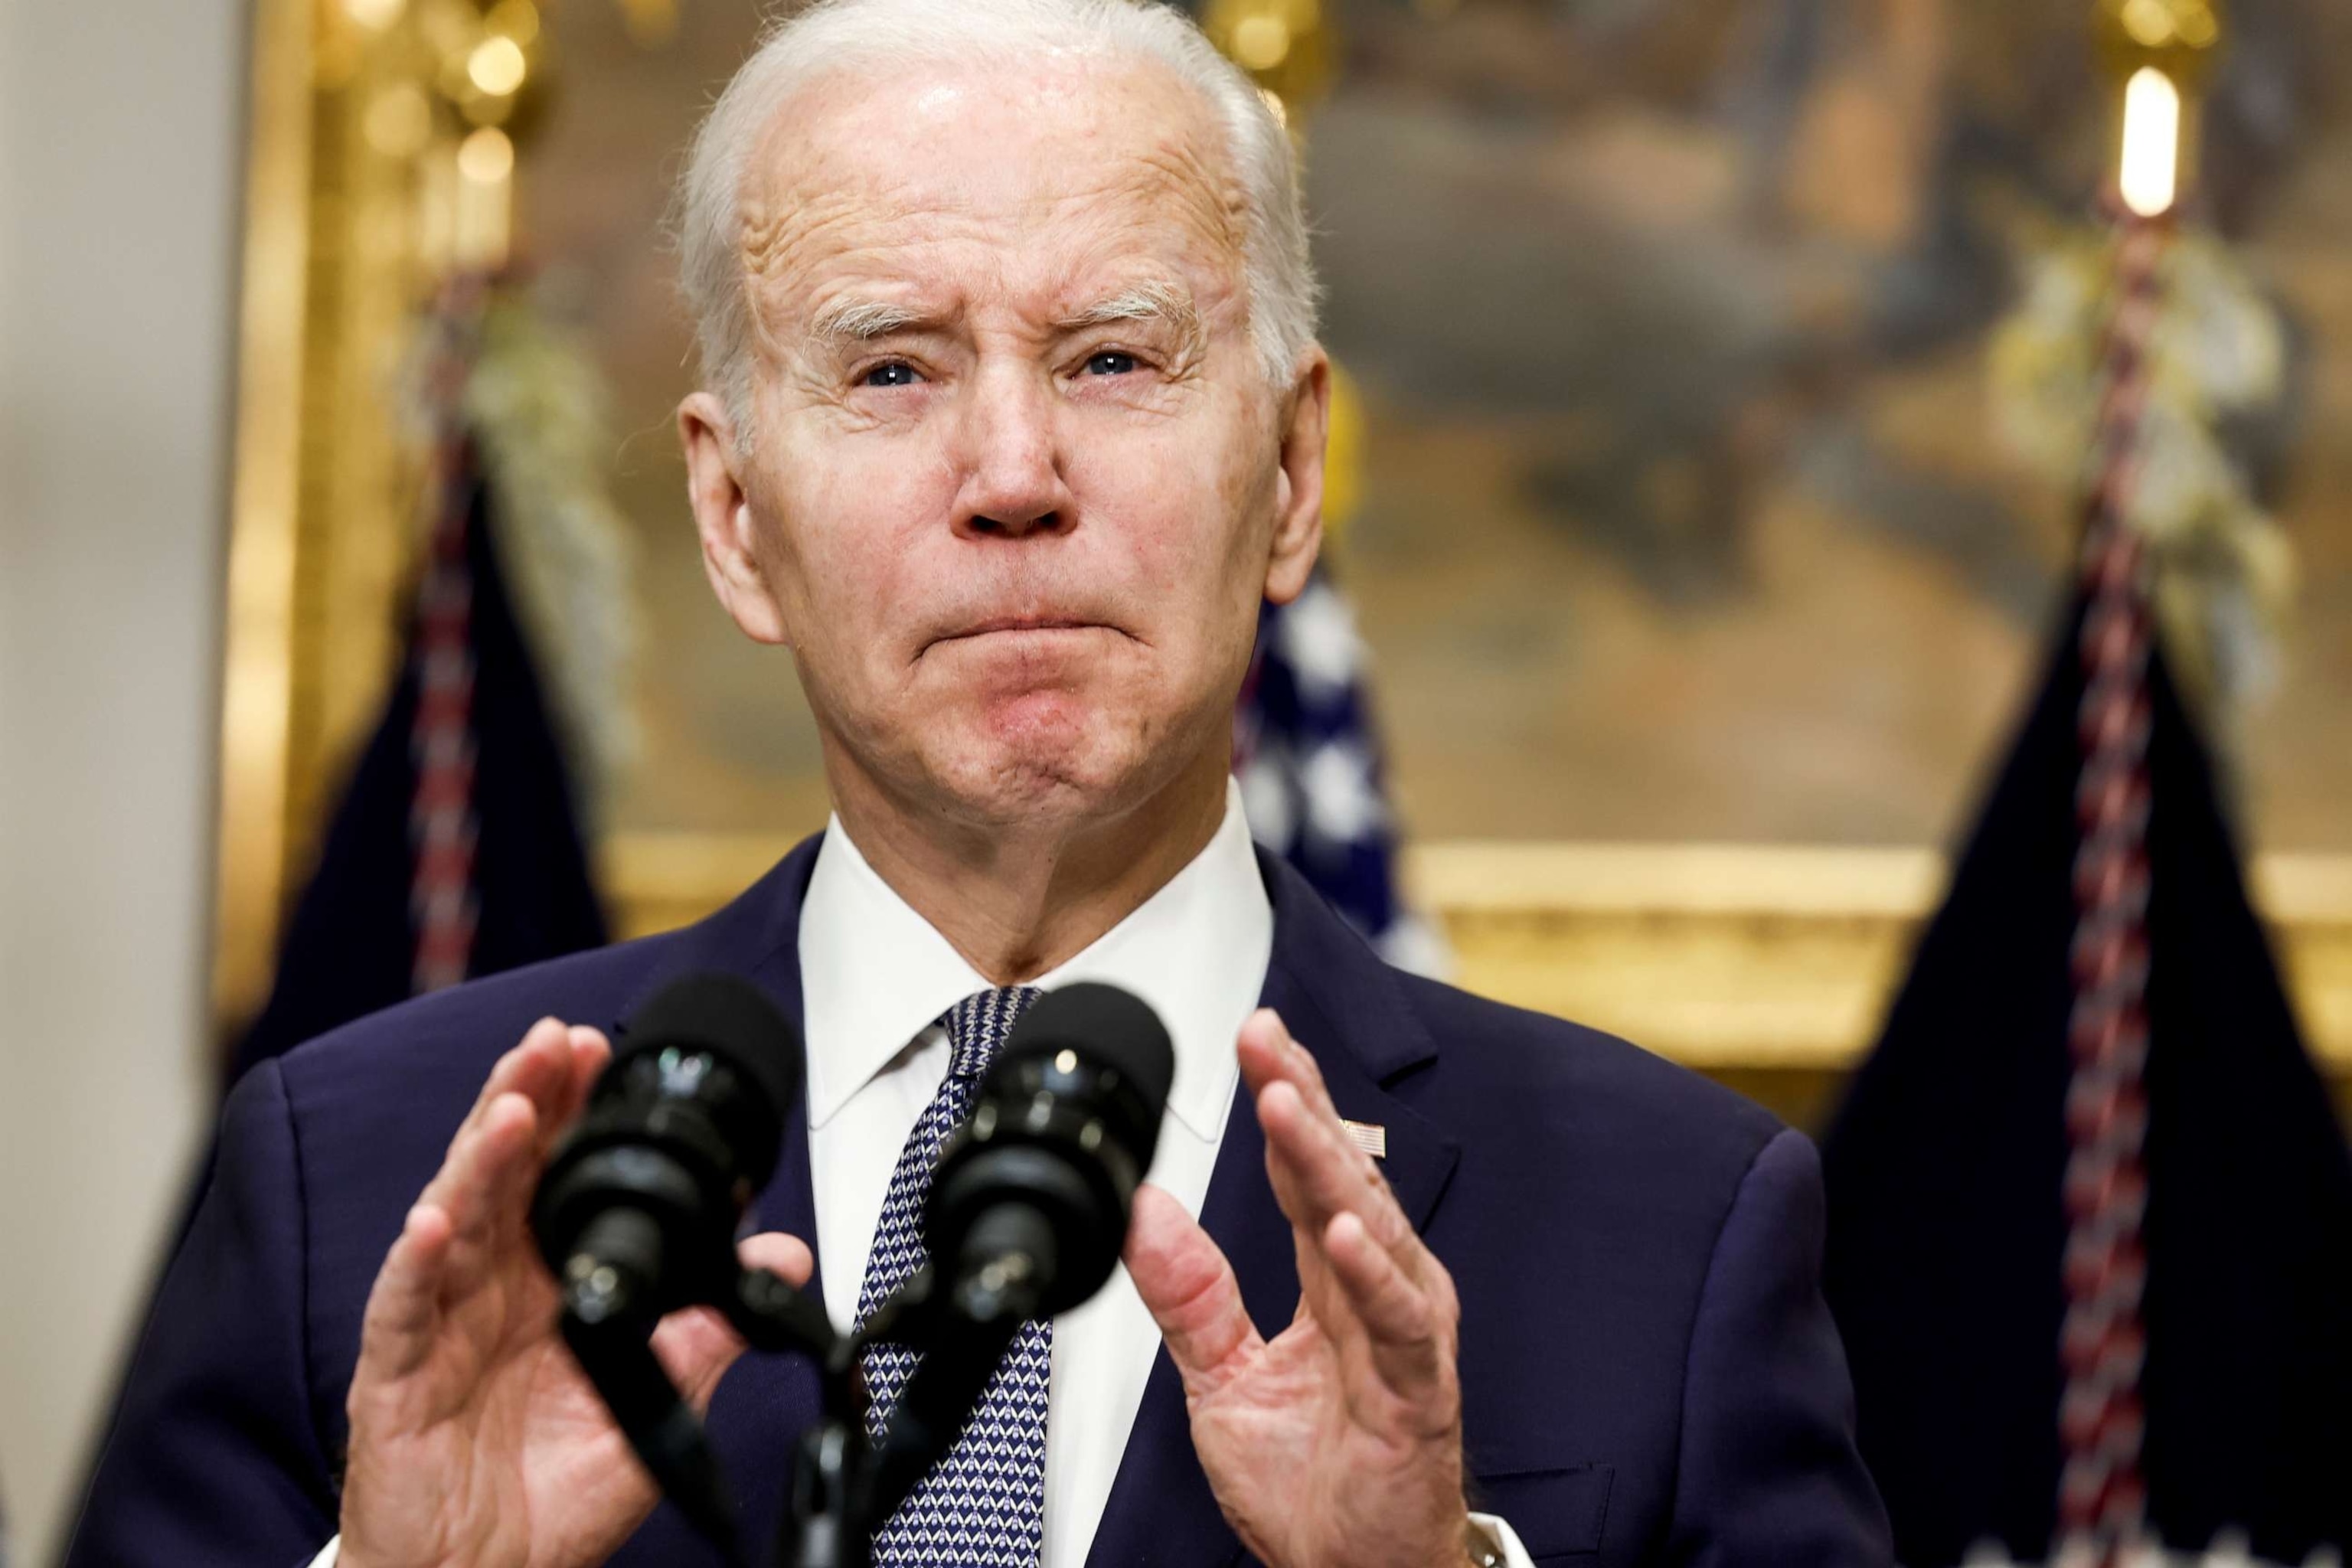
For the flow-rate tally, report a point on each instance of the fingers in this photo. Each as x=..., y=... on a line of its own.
x=786, y=1255
x=536, y=1070
x=698, y=1345
x=484, y=1184
x=1320, y=1174
x=532, y=1096
x=1190, y=1292
x=590, y=1053
x=1317, y=1171
x=1409, y=1344
x=404, y=1307
x=533, y=1068
x=1269, y=1054
x=475, y=1204
x=1392, y=1293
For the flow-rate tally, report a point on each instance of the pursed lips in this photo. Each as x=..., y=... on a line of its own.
x=1027, y=624
x=1001, y=625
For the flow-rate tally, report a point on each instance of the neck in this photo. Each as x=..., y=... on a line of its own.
x=1017, y=900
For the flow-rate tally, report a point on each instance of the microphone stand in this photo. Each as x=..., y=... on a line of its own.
x=618, y=1356
x=844, y=1483
x=820, y=1523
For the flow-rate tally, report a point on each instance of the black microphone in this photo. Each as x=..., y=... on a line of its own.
x=637, y=1209
x=1029, y=1205
x=1028, y=1209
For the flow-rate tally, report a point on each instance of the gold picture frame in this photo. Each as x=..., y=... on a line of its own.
x=1768, y=967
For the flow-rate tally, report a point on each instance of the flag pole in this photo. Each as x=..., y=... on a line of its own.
x=2156, y=50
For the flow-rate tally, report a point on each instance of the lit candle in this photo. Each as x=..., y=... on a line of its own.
x=2151, y=152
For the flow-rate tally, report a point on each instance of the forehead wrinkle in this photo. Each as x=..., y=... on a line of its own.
x=812, y=200
x=1166, y=179
x=779, y=239
x=833, y=275
x=780, y=236
x=1212, y=202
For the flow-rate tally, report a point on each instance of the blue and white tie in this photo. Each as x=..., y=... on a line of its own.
x=983, y=1504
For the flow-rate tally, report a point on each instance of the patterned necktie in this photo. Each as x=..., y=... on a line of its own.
x=983, y=1505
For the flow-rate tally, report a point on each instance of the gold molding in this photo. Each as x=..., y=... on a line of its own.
x=1736, y=959
x=1750, y=957
x=1717, y=955
x=345, y=225
x=258, y=656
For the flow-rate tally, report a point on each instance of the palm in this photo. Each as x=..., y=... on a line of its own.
x=515, y=1439
x=476, y=1438
x=1306, y=1475
x=1340, y=1440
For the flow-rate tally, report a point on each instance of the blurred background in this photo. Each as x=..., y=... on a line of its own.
x=1723, y=385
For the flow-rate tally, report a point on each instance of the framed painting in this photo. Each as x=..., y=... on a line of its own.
x=1700, y=584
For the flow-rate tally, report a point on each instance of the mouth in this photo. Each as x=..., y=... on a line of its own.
x=1020, y=625
x=1027, y=624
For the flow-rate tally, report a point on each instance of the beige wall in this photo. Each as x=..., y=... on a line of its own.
x=119, y=132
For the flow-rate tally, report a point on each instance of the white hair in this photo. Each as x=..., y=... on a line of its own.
x=829, y=36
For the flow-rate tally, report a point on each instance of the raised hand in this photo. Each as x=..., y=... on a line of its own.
x=475, y=1439
x=1338, y=1443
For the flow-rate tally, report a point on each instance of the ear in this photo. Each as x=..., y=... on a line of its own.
x=722, y=517
x=1298, y=490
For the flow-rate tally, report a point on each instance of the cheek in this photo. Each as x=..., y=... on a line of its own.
x=1190, y=510
x=860, y=513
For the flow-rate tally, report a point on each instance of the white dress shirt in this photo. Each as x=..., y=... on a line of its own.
x=875, y=980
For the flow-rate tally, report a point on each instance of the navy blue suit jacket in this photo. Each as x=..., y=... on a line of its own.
x=1648, y=1372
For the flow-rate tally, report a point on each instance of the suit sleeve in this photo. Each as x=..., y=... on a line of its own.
x=1770, y=1472
x=214, y=1458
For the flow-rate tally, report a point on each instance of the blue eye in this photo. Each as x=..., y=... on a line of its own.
x=1110, y=362
x=897, y=373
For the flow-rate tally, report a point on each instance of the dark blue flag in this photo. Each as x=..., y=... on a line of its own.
x=1948, y=1233
x=398, y=904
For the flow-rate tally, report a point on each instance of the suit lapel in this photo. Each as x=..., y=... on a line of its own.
x=1337, y=999
x=1342, y=1002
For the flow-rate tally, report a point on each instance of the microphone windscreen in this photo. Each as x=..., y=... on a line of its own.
x=732, y=1019
x=1116, y=1027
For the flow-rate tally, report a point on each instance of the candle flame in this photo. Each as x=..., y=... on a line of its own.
x=2151, y=157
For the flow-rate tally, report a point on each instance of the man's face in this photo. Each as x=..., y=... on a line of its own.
x=1015, y=482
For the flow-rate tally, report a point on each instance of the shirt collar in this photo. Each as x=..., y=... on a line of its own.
x=873, y=974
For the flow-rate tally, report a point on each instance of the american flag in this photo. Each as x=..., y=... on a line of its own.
x=1309, y=763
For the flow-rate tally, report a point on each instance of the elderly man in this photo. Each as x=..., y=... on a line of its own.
x=1013, y=413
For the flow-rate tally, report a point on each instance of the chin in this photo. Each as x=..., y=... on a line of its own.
x=1045, y=755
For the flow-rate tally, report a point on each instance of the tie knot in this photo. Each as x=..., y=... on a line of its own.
x=978, y=1025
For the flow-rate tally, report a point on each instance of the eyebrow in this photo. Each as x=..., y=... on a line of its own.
x=1148, y=301
x=854, y=320
x=862, y=321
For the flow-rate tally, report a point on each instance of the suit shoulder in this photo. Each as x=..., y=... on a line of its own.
x=1569, y=1078
x=405, y=1053
x=437, y=1048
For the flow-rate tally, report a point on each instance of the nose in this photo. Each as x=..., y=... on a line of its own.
x=1012, y=483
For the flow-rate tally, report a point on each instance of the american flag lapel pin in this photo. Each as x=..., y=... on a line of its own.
x=1370, y=1136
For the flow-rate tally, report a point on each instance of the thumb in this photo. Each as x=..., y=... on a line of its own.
x=698, y=1345
x=1190, y=1292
